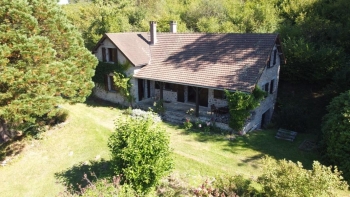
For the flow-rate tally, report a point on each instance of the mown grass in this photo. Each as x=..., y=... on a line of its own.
x=43, y=166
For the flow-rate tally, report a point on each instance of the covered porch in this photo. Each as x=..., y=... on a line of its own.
x=178, y=112
x=203, y=101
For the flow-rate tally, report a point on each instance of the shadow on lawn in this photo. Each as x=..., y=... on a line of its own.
x=264, y=143
x=72, y=178
x=11, y=149
x=93, y=101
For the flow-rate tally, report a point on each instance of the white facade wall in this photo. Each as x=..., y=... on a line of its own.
x=114, y=96
x=254, y=122
x=267, y=105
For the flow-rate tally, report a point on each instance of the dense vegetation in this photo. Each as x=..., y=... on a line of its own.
x=240, y=105
x=314, y=35
x=43, y=63
x=336, y=131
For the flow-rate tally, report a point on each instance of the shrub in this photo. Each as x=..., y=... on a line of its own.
x=336, y=133
x=159, y=107
x=61, y=115
x=226, y=186
x=188, y=124
x=140, y=151
x=101, y=187
x=234, y=185
x=285, y=178
x=140, y=114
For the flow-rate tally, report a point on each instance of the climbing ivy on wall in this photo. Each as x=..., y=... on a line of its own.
x=123, y=84
x=240, y=104
x=121, y=79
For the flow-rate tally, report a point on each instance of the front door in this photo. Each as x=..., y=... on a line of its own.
x=180, y=93
x=203, y=97
x=264, y=119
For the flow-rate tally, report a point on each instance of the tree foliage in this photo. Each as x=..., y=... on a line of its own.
x=240, y=104
x=43, y=61
x=336, y=133
x=140, y=151
x=285, y=178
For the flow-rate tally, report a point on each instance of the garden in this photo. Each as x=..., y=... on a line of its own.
x=76, y=154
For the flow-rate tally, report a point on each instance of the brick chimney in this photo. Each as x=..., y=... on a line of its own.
x=153, y=31
x=173, y=27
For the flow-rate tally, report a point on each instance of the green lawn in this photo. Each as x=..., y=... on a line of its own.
x=42, y=164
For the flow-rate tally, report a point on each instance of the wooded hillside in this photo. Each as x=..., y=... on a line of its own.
x=314, y=35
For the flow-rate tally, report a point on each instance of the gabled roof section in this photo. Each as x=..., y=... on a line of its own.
x=220, y=61
x=134, y=46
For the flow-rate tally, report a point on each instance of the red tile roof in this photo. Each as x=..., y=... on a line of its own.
x=132, y=45
x=218, y=61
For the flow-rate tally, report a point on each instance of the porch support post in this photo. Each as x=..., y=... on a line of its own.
x=197, y=101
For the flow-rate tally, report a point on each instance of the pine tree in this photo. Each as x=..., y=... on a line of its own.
x=43, y=62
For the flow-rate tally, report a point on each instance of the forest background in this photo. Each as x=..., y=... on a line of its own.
x=314, y=35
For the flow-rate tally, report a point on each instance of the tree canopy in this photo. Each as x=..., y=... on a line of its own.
x=336, y=131
x=314, y=32
x=43, y=61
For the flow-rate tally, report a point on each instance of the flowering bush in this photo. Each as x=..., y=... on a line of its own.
x=207, y=127
x=190, y=111
x=140, y=114
x=188, y=124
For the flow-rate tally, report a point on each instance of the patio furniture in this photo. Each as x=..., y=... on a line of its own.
x=213, y=109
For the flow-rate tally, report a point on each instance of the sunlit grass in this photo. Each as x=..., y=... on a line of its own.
x=84, y=136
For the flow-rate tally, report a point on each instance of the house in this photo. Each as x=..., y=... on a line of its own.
x=183, y=67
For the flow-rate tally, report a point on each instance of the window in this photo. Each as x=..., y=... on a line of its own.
x=104, y=54
x=219, y=94
x=266, y=87
x=112, y=55
x=170, y=87
x=274, y=59
x=272, y=86
x=109, y=55
x=156, y=85
x=109, y=83
x=274, y=56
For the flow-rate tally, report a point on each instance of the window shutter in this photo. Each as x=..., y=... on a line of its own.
x=115, y=55
x=106, y=82
x=104, y=54
x=111, y=79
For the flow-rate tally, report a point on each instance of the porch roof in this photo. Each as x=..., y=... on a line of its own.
x=218, y=61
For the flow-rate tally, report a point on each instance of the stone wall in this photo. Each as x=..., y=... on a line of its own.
x=169, y=96
x=217, y=102
x=114, y=96
x=267, y=105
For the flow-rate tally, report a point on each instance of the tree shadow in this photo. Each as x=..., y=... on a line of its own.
x=72, y=178
x=264, y=142
x=11, y=148
x=93, y=101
